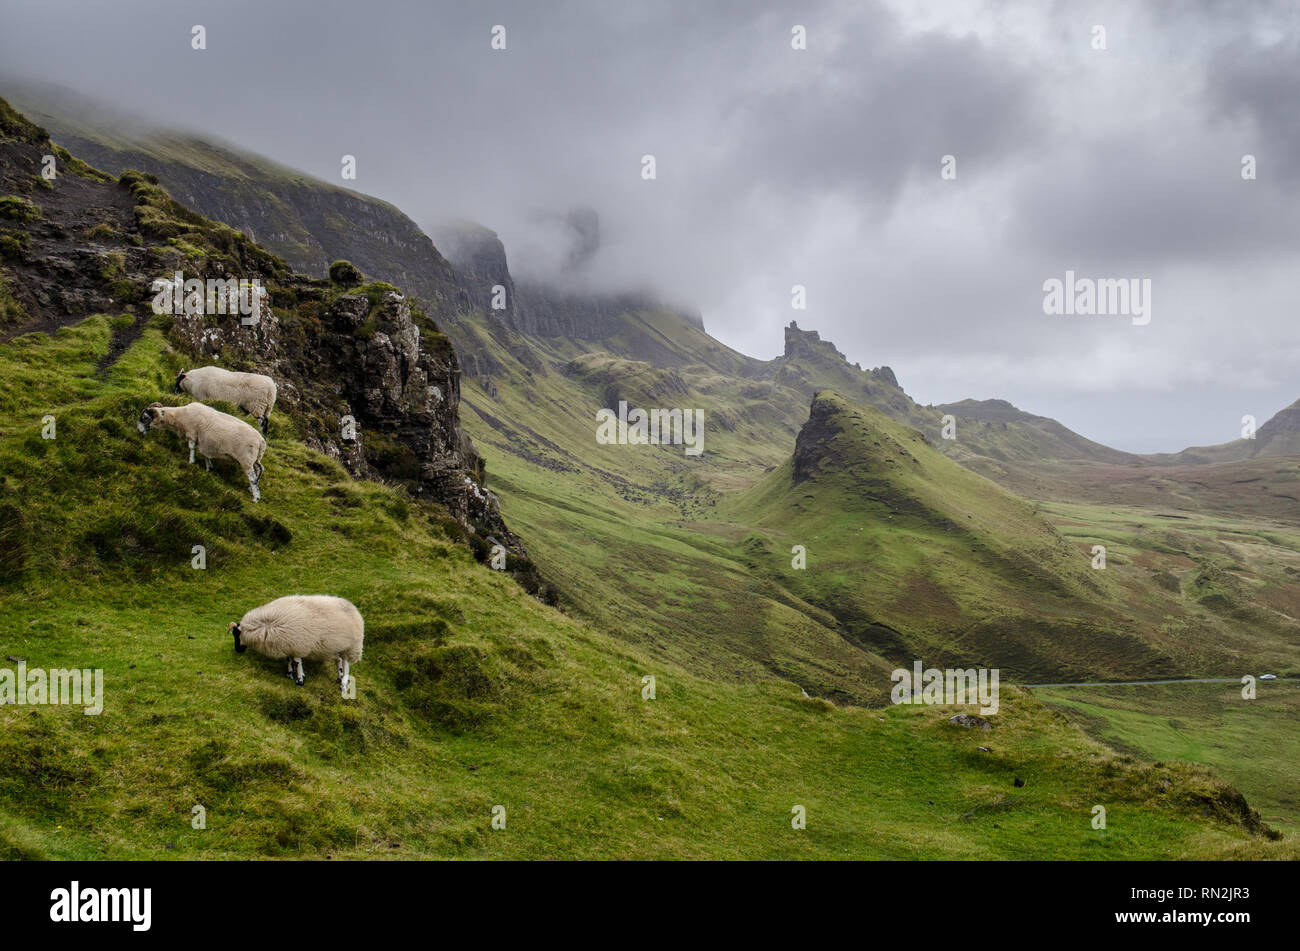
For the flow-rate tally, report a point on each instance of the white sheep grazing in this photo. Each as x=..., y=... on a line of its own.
x=251, y=392
x=304, y=626
x=216, y=434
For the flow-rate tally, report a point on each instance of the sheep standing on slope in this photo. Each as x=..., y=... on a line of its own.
x=251, y=392
x=310, y=626
x=217, y=435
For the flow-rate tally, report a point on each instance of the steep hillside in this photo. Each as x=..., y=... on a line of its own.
x=83, y=243
x=674, y=552
x=307, y=222
x=531, y=399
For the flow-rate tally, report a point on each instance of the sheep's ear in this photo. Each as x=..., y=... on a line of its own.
x=155, y=405
x=231, y=625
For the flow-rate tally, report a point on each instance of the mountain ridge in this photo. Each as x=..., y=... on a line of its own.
x=279, y=208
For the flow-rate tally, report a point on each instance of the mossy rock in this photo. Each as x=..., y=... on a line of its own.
x=15, y=208
x=345, y=274
x=13, y=244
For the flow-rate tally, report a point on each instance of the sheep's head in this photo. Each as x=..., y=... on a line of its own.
x=240, y=646
x=151, y=415
x=180, y=378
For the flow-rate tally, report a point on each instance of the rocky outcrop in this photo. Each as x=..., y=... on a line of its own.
x=808, y=346
x=812, y=447
x=479, y=259
x=369, y=379
x=377, y=384
x=886, y=375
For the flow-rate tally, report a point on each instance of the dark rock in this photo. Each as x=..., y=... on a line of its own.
x=806, y=344
x=365, y=354
x=970, y=722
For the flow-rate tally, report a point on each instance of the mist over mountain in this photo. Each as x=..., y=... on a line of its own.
x=770, y=174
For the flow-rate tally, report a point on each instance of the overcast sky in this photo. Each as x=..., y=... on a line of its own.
x=818, y=167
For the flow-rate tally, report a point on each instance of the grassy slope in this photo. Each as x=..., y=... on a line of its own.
x=653, y=545
x=1235, y=580
x=470, y=693
x=1253, y=742
x=116, y=545
x=669, y=570
x=1264, y=488
x=957, y=570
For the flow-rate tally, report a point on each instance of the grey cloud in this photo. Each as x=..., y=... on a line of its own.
x=818, y=167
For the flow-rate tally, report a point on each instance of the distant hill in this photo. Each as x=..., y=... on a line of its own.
x=1278, y=436
x=910, y=549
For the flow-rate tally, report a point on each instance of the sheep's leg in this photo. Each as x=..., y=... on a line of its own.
x=191, y=452
x=289, y=673
x=254, y=477
x=344, y=678
x=301, y=678
x=339, y=661
x=266, y=423
x=207, y=462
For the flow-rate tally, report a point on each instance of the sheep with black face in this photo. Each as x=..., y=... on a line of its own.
x=304, y=627
x=217, y=435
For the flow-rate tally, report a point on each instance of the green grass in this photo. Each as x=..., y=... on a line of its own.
x=1222, y=589
x=470, y=695
x=1251, y=743
x=11, y=309
x=17, y=208
x=909, y=554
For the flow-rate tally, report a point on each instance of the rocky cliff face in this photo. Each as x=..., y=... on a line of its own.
x=368, y=379
x=366, y=359
x=307, y=222
x=547, y=311
x=809, y=346
x=812, y=447
x=479, y=260
x=532, y=307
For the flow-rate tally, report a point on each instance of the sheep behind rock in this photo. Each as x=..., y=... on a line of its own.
x=298, y=627
x=254, y=393
x=217, y=435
